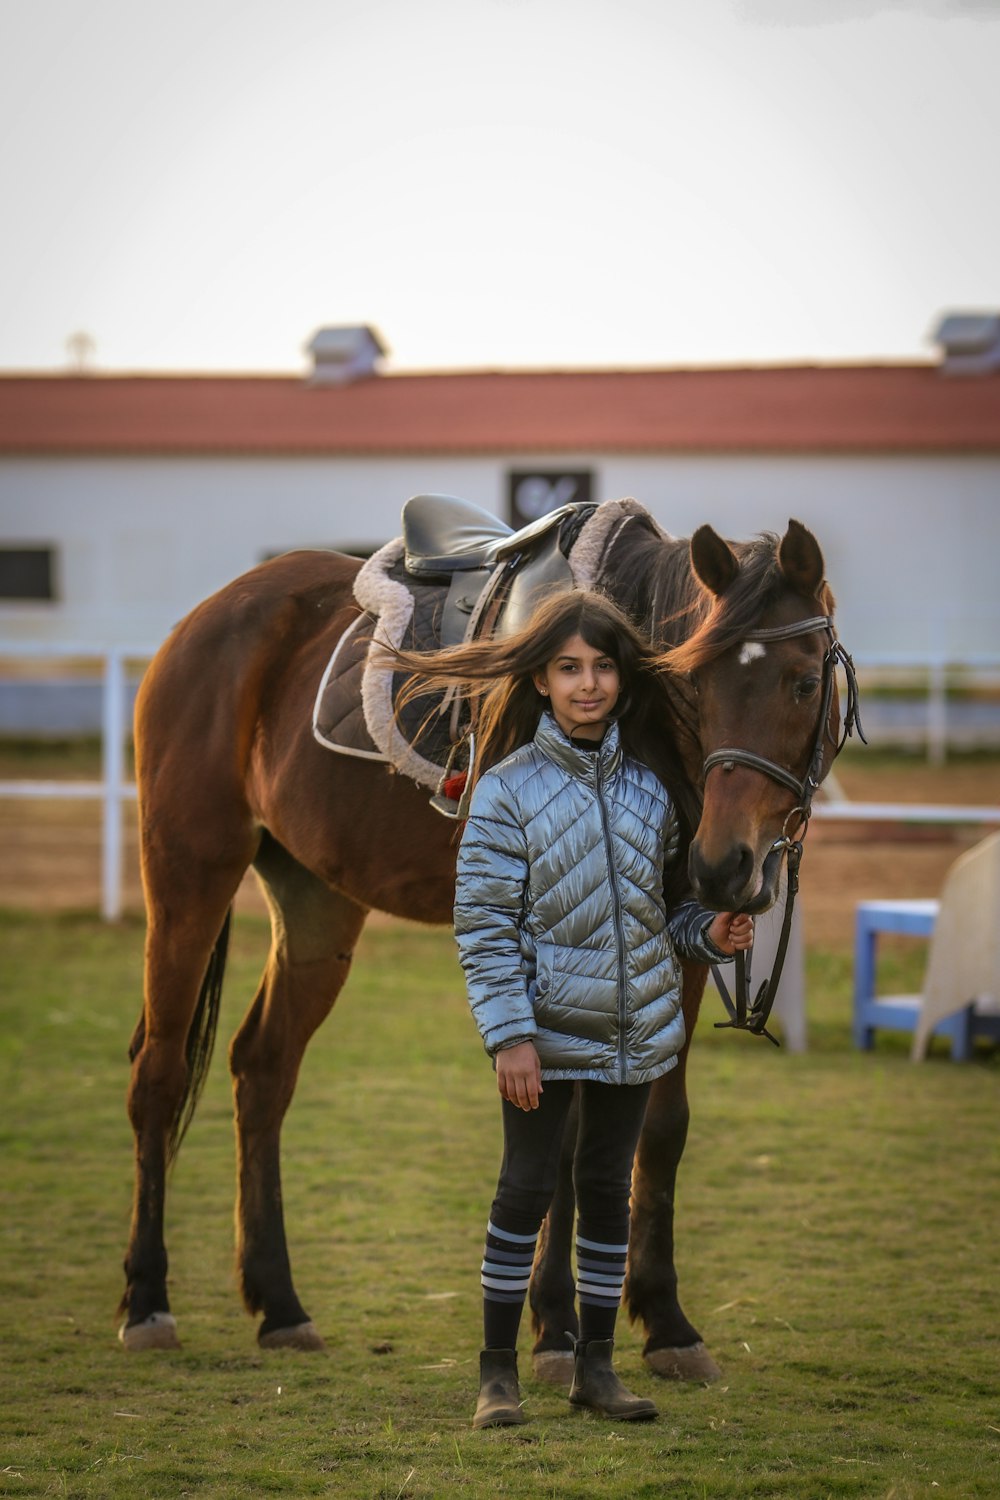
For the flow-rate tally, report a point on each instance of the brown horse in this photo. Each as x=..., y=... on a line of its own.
x=230, y=776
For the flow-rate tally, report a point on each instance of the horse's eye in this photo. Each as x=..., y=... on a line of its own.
x=806, y=686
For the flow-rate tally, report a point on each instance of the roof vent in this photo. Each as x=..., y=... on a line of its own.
x=342, y=355
x=970, y=343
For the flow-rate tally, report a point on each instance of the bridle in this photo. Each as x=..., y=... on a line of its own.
x=752, y=1015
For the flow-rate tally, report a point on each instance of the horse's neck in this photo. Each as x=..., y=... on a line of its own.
x=655, y=575
x=679, y=601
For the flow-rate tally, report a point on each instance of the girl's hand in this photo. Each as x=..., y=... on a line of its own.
x=519, y=1075
x=732, y=933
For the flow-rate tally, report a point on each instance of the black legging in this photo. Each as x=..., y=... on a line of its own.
x=608, y=1132
x=610, y=1122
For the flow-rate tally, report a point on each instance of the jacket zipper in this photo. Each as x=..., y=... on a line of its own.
x=616, y=913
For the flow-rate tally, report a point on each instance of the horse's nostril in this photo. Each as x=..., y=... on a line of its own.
x=725, y=882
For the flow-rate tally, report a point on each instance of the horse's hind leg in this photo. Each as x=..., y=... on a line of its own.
x=314, y=933
x=182, y=935
x=673, y=1347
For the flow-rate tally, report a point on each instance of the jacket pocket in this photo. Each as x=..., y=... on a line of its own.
x=574, y=993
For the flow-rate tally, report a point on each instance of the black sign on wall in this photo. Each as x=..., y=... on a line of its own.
x=534, y=492
x=26, y=573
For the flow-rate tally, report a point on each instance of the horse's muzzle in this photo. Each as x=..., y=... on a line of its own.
x=731, y=885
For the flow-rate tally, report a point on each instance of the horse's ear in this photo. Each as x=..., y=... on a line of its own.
x=713, y=560
x=800, y=560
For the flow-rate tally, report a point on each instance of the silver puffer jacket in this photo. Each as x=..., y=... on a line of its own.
x=559, y=913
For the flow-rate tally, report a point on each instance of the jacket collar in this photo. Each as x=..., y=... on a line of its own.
x=582, y=764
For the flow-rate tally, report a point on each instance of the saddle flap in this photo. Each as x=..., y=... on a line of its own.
x=544, y=573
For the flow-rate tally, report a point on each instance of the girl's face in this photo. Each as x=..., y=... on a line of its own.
x=582, y=686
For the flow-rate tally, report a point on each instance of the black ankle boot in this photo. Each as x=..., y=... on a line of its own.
x=499, y=1402
x=595, y=1385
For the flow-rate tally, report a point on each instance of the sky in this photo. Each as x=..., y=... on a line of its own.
x=201, y=185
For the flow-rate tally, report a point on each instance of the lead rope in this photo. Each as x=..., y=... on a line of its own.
x=753, y=1016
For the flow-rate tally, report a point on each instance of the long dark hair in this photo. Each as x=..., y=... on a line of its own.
x=498, y=674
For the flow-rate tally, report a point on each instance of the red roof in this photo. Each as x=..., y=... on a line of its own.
x=790, y=409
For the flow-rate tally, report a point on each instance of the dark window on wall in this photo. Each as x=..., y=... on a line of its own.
x=27, y=573
x=532, y=493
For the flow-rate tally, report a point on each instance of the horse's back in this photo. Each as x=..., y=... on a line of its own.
x=288, y=596
x=207, y=683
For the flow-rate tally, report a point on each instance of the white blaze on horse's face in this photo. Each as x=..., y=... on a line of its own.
x=750, y=651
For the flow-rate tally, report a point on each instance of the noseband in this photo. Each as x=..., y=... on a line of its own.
x=752, y=1015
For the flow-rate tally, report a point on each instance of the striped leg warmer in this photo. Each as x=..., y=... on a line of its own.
x=506, y=1272
x=600, y=1274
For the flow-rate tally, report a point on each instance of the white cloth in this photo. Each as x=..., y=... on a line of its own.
x=963, y=965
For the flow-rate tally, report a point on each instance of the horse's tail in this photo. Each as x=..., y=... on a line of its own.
x=200, y=1039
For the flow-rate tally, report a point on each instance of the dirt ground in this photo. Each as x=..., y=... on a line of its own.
x=51, y=849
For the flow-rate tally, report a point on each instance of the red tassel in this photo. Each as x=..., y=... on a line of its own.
x=455, y=785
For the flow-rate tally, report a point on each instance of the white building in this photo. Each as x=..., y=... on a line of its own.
x=125, y=500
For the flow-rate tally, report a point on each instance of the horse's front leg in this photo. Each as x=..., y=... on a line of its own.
x=314, y=933
x=552, y=1295
x=673, y=1347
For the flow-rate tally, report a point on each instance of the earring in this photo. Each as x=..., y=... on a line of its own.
x=544, y=692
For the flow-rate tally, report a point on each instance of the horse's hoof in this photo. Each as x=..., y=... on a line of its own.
x=690, y=1363
x=158, y=1331
x=553, y=1367
x=304, y=1336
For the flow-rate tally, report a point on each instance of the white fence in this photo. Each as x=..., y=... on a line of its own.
x=939, y=728
x=113, y=789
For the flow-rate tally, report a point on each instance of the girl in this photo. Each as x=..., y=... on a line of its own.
x=569, y=953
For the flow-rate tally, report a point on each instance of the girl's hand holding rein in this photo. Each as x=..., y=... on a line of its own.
x=519, y=1075
x=731, y=932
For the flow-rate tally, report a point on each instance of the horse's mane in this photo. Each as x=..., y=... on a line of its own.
x=649, y=576
x=727, y=618
x=653, y=579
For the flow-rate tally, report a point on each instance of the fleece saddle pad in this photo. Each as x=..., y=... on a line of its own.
x=356, y=710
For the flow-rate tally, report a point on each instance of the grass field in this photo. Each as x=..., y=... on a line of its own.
x=838, y=1231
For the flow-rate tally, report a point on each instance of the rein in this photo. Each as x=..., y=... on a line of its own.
x=746, y=1014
